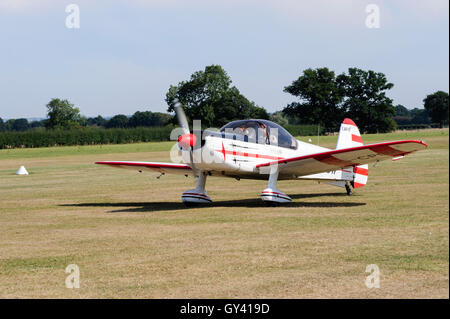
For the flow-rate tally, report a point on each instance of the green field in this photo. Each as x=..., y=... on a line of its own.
x=132, y=238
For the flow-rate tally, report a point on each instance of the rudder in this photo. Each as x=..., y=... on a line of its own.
x=349, y=136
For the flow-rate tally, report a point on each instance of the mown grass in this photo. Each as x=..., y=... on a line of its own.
x=132, y=238
x=12, y=265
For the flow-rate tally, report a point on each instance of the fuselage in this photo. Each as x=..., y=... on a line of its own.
x=229, y=153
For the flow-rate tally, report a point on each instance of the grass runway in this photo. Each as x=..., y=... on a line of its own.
x=132, y=238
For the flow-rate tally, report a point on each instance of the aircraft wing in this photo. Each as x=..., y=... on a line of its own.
x=170, y=168
x=337, y=159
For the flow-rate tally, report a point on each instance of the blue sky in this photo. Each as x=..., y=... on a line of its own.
x=126, y=54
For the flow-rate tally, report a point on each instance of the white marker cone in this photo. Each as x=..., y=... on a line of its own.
x=22, y=171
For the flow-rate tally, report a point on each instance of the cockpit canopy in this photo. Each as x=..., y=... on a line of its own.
x=260, y=131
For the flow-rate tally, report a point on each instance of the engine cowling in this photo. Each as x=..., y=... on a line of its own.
x=187, y=140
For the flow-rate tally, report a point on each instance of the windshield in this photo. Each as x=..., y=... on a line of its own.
x=262, y=132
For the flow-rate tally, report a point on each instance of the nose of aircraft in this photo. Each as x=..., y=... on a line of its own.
x=187, y=140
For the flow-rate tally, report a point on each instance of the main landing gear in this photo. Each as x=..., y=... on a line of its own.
x=197, y=195
x=272, y=195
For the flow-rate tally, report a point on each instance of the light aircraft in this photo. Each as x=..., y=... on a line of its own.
x=261, y=149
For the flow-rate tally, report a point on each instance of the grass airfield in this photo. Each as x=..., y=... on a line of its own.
x=132, y=237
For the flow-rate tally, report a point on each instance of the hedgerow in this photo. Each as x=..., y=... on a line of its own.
x=95, y=136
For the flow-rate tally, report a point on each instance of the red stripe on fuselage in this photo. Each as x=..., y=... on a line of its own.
x=234, y=153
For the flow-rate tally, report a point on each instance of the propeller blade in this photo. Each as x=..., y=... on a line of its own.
x=182, y=120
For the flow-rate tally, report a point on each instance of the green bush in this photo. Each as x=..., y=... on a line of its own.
x=417, y=126
x=85, y=136
x=92, y=136
x=304, y=130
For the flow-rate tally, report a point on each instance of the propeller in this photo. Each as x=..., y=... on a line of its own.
x=187, y=140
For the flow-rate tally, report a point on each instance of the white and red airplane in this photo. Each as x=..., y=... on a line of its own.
x=261, y=149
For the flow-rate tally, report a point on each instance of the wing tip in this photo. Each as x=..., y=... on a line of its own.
x=416, y=141
x=423, y=143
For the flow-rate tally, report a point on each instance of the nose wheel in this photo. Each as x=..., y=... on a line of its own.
x=198, y=195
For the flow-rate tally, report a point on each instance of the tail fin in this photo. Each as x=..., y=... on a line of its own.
x=349, y=136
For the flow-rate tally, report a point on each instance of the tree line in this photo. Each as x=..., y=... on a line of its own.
x=62, y=115
x=86, y=136
x=320, y=98
x=326, y=99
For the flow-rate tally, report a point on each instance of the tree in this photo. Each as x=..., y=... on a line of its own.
x=437, y=106
x=209, y=96
x=326, y=99
x=100, y=121
x=20, y=125
x=258, y=112
x=400, y=110
x=36, y=124
x=402, y=115
x=118, y=121
x=96, y=121
x=62, y=115
x=149, y=119
x=161, y=119
x=320, y=99
x=83, y=121
x=9, y=124
x=279, y=117
x=140, y=119
x=366, y=101
x=419, y=116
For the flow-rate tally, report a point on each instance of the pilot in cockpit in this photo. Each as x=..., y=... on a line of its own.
x=246, y=129
x=243, y=129
x=264, y=133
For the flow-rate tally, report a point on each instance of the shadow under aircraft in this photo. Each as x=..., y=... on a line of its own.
x=143, y=207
